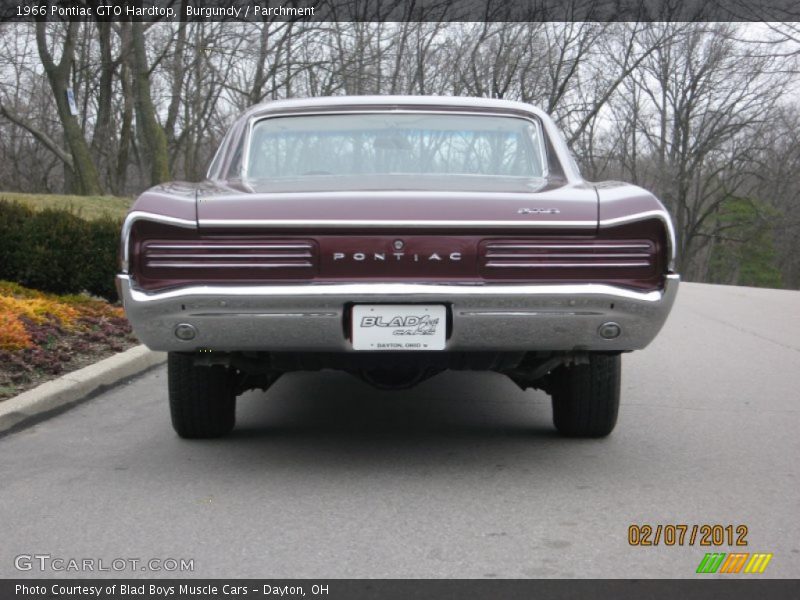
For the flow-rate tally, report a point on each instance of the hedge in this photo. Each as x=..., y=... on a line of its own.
x=54, y=250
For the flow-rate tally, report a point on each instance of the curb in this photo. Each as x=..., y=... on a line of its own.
x=76, y=386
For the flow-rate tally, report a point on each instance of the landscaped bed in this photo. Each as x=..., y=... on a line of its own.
x=43, y=336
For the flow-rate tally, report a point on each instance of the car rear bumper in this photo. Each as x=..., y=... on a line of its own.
x=313, y=317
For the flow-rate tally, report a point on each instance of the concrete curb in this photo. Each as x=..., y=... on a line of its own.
x=77, y=385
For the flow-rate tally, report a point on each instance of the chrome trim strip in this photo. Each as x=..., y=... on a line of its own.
x=658, y=214
x=207, y=246
x=190, y=265
x=545, y=265
x=263, y=314
x=138, y=215
x=392, y=223
x=649, y=214
x=545, y=246
x=600, y=255
x=389, y=289
x=299, y=255
x=527, y=313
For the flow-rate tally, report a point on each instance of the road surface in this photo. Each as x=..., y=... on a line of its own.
x=460, y=477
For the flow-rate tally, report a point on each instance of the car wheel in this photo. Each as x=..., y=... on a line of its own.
x=202, y=400
x=586, y=396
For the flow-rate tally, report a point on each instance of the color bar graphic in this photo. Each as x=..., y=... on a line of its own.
x=734, y=562
x=711, y=562
x=758, y=563
x=716, y=561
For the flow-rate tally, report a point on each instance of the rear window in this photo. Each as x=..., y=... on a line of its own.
x=394, y=144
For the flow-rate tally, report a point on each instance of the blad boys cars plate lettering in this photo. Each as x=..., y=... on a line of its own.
x=399, y=327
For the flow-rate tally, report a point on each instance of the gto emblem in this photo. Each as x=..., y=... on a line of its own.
x=538, y=211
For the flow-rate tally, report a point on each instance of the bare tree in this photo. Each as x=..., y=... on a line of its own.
x=689, y=113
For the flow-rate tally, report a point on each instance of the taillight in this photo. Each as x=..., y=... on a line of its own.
x=187, y=258
x=252, y=256
x=634, y=262
x=548, y=255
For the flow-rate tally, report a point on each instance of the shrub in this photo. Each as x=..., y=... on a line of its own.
x=56, y=251
x=101, y=264
x=13, y=217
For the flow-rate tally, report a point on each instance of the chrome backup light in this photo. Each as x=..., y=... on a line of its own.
x=185, y=332
x=609, y=330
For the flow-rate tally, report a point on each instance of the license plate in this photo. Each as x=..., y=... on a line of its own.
x=399, y=327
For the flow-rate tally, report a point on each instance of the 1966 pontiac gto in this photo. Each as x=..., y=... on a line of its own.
x=393, y=238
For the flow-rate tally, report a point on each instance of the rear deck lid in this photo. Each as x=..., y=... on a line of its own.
x=476, y=205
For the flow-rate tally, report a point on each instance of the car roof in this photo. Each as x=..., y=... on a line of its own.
x=327, y=102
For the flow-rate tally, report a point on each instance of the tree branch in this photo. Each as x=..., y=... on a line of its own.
x=40, y=135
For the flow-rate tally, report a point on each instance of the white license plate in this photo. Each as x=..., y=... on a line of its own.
x=399, y=327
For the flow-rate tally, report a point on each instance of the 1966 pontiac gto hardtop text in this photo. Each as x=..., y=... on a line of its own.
x=393, y=238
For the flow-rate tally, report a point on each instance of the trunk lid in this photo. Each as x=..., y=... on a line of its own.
x=508, y=207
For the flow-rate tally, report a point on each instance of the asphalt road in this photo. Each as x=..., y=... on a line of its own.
x=460, y=477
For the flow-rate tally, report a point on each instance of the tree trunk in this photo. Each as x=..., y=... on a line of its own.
x=102, y=138
x=152, y=138
x=85, y=179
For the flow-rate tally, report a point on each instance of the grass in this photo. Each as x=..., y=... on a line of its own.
x=87, y=207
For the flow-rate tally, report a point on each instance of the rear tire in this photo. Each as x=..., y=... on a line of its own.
x=202, y=400
x=586, y=397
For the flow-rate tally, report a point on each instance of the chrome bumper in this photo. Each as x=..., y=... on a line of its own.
x=311, y=317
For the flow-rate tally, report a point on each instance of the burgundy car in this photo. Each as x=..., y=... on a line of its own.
x=393, y=238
